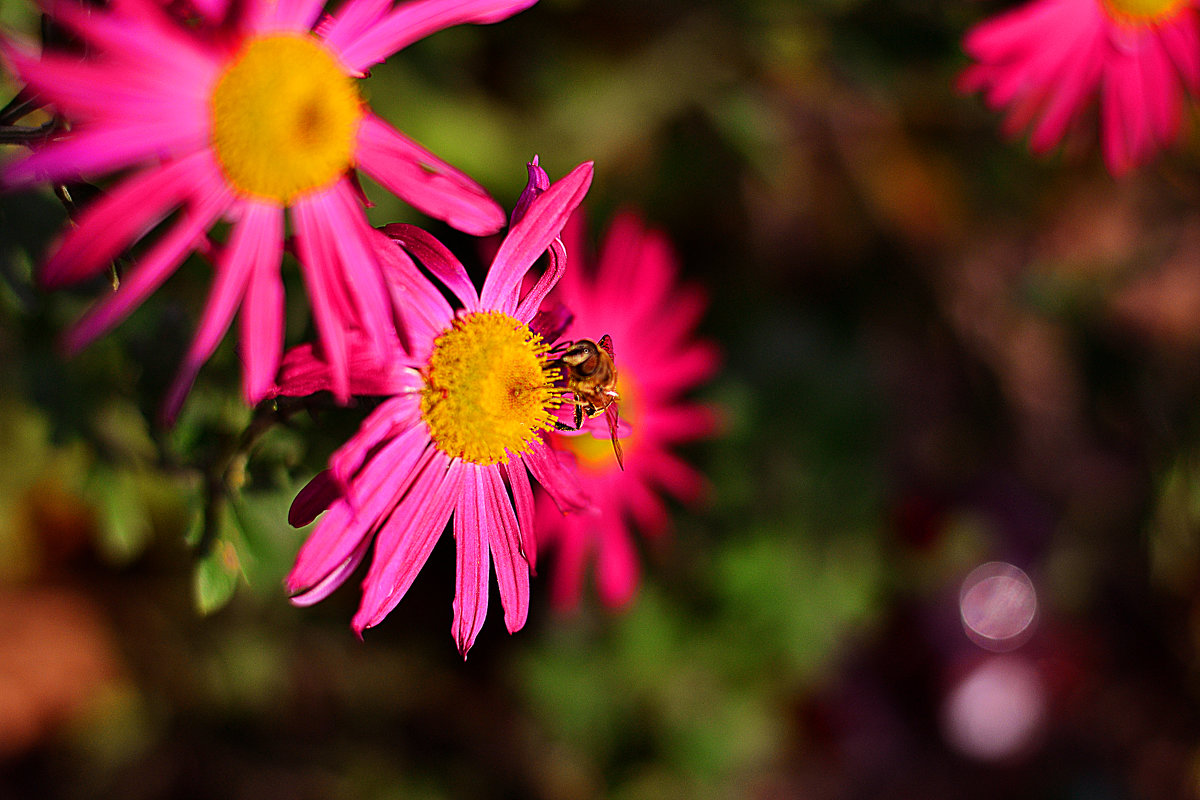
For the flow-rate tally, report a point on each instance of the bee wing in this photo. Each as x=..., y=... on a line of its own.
x=606, y=345
x=610, y=414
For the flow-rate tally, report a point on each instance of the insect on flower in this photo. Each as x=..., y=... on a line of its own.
x=590, y=377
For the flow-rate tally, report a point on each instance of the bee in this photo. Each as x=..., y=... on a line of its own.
x=590, y=376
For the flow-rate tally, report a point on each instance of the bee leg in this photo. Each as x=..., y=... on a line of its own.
x=578, y=417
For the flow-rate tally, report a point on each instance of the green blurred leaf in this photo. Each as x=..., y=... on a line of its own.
x=216, y=578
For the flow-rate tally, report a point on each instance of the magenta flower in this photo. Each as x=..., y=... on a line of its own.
x=465, y=414
x=1046, y=60
x=239, y=121
x=633, y=295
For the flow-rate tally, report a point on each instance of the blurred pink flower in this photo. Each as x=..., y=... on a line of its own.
x=1046, y=60
x=632, y=294
x=239, y=120
x=465, y=414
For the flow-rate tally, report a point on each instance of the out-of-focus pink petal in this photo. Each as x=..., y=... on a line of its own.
x=407, y=538
x=530, y=237
x=101, y=149
x=88, y=92
x=676, y=476
x=472, y=561
x=352, y=21
x=149, y=273
x=1181, y=39
x=360, y=273
x=295, y=15
x=410, y=22
x=316, y=496
x=438, y=259
x=425, y=181
x=1078, y=80
x=233, y=270
x=647, y=508
x=318, y=263
x=155, y=42
x=571, y=550
x=262, y=325
x=111, y=224
x=504, y=540
x=617, y=571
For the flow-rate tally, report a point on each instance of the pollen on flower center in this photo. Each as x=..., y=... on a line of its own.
x=487, y=393
x=284, y=118
x=1142, y=11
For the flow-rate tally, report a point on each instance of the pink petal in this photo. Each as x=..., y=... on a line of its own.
x=233, y=271
x=150, y=271
x=537, y=183
x=335, y=578
x=89, y=152
x=141, y=34
x=440, y=262
x=295, y=15
x=304, y=372
x=471, y=534
x=317, y=265
x=262, y=320
x=504, y=540
x=617, y=570
x=395, y=417
x=425, y=181
x=518, y=479
x=1181, y=39
x=352, y=20
x=573, y=546
x=377, y=491
x=404, y=543
x=416, y=20
x=416, y=302
x=316, y=496
x=109, y=225
x=528, y=307
x=530, y=237
x=561, y=482
x=1075, y=85
x=360, y=273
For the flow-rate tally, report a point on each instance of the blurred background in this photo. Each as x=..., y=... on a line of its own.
x=950, y=546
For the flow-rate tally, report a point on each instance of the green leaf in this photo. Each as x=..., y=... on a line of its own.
x=216, y=578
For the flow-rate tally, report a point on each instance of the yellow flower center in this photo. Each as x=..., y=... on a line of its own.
x=284, y=118
x=1141, y=12
x=487, y=393
x=596, y=454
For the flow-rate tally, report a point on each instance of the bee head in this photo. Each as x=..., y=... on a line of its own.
x=582, y=356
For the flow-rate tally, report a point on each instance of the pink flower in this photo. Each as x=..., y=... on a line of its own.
x=239, y=121
x=633, y=295
x=465, y=414
x=1046, y=60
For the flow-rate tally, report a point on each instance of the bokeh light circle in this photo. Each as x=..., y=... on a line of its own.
x=998, y=606
x=996, y=711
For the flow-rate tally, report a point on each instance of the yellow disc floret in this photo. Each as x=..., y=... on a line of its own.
x=284, y=118
x=1142, y=12
x=487, y=393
